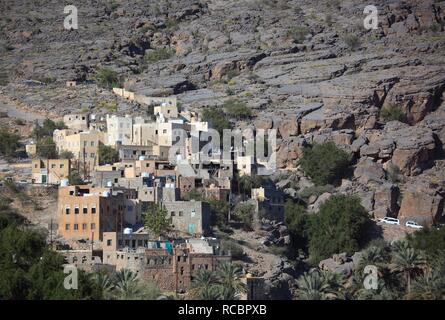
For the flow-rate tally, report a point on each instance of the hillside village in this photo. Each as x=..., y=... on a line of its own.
x=223, y=150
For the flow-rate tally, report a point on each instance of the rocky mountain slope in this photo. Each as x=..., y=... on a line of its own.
x=308, y=68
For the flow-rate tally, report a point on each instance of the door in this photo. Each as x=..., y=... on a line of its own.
x=44, y=178
x=191, y=228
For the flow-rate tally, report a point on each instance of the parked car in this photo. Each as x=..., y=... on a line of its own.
x=413, y=224
x=390, y=220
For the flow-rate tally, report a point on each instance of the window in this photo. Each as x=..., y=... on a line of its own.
x=181, y=213
x=164, y=131
x=84, y=226
x=67, y=210
x=92, y=155
x=172, y=214
x=85, y=210
x=76, y=210
x=109, y=242
x=53, y=166
x=76, y=226
x=93, y=226
x=61, y=165
x=92, y=143
x=147, y=165
x=67, y=226
x=93, y=209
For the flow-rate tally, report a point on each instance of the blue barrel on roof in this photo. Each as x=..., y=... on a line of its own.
x=169, y=247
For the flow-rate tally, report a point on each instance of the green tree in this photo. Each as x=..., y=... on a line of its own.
x=341, y=225
x=46, y=148
x=156, y=219
x=407, y=260
x=392, y=113
x=193, y=194
x=313, y=286
x=107, y=78
x=429, y=240
x=244, y=212
x=229, y=281
x=216, y=118
x=202, y=283
x=46, y=129
x=219, y=211
x=9, y=143
x=126, y=285
x=75, y=178
x=65, y=154
x=236, y=109
x=324, y=163
x=429, y=286
x=107, y=154
x=295, y=218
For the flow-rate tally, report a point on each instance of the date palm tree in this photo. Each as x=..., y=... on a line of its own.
x=202, y=284
x=313, y=286
x=407, y=260
x=429, y=286
x=229, y=277
x=126, y=284
x=104, y=282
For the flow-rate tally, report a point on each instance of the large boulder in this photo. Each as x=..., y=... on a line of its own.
x=369, y=171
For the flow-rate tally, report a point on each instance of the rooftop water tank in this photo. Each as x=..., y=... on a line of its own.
x=64, y=182
x=109, y=184
x=145, y=175
x=128, y=231
x=141, y=158
x=106, y=194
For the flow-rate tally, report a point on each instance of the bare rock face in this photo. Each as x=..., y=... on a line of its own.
x=335, y=118
x=385, y=200
x=339, y=263
x=288, y=152
x=368, y=171
x=421, y=203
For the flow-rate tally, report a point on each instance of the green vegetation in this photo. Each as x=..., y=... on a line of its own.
x=222, y=284
x=159, y=54
x=107, y=154
x=219, y=211
x=46, y=148
x=295, y=217
x=107, y=78
x=236, y=109
x=29, y=269
x=298, y=34
x=65, y=154
x=75, y=178
x=156, y=219
x=110, y=106
x=429, y=240
x=193, y=194
x=352, y=41
x=244, y=212
x=19, y=122
x=341, y=225
x=9, y=143
x=306, y=193
x=216, y=118
x=235, y=249
x=392, y=113
x=46, y=129
x=394, y=174
x=324, y=163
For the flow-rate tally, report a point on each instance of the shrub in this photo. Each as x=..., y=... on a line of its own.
x=107, y=154
x=19, y=122
x=295, y=217
x=193, y=194
x=107, y=78
x=392, y=113
x=65, y=154
x=393, y=173
x=159, y=54
x=235, y=249
x=324, y=163
x=46, y=148
x=298, y=34
x=306, y=193
x=47, y=128
x=352, y=41
x=219, y=211
x=9, y=143
x=237, y=109
x=110, y=106
x=75, y=178
x=341, y=225
x=244, y=212
x=216, y=118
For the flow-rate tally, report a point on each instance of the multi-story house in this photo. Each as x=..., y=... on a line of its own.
x=50, y=171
